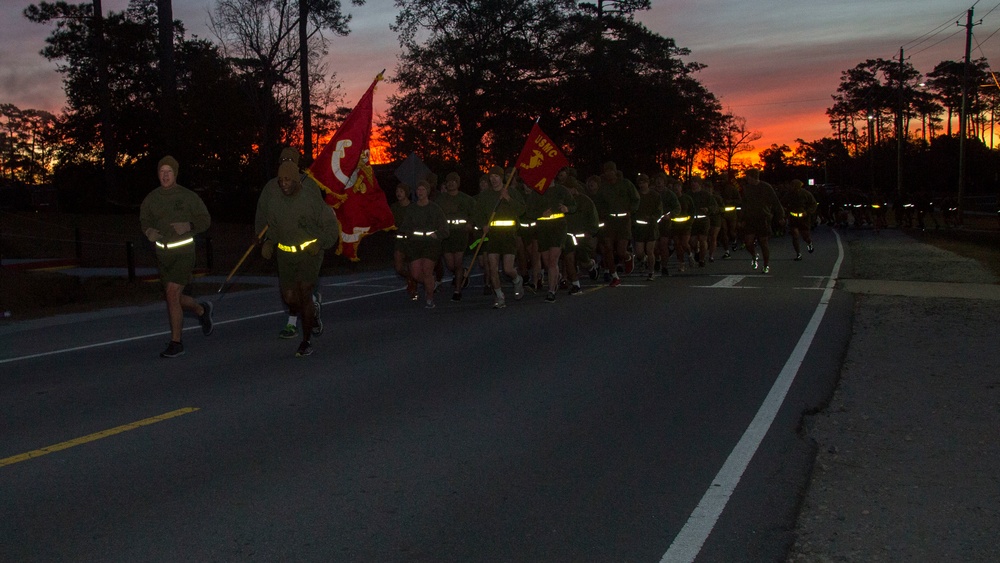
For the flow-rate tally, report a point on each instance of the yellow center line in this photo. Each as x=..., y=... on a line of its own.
x=95, y=436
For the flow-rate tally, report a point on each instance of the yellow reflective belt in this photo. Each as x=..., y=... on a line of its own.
x=503, y=223
x=553, y=216
x=876, y=206
x=170, y=245
x=295, y=248
x=679, y=219
x=794, y=214
x=730, y=208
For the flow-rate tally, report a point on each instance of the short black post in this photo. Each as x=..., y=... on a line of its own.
x=79, y=243
x=209, y=260
x=130, y=260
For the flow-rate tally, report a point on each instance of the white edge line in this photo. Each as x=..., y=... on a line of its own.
x=155, y=334
x=689, y=541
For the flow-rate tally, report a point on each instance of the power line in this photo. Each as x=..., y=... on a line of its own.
x=914, y=43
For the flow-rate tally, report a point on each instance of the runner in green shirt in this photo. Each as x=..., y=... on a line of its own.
x=170, y=216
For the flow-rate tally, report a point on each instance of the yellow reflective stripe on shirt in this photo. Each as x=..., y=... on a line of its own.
x=295, y=247
x=170, y=245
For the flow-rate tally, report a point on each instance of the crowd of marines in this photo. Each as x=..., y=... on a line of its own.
x=602, y=225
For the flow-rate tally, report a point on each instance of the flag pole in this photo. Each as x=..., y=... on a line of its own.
x=260, y=236
x=486, y=229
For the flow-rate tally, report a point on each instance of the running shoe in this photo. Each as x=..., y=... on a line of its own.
x=615, y=282
x=629, y=265
x=726, y=255
x=575, y=290
x=207, y=324
x=767, y=269
x=753, y=263
x=519, y=287
x=651, y=276
x=499, y=303
x=318, y=306
x=810, y=248
x=288, y=332
x=594, y=272
x=457, y=296
x=305, y=349
x=173, y=350
x=430, y=304
x=550, y=298
x=798, y=256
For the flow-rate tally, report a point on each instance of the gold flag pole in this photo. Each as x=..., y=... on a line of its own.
x=260, y=236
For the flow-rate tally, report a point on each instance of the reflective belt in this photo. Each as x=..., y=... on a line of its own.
x=171, y=245
x=528, y=225
x=553, y=216
x=679, y=219
x=503, y=223
x=700, y=216
x=574, y=237
x=600, y=225
x=641, y=222
x=908, y=205
x=400, y=236
x=618, y=215
x=876, y=206
x=456, y=221
x=295, y=248
x=729, y=208
x=422, y=234
x=794, y=214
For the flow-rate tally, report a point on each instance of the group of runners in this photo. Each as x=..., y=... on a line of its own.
x=604, y=225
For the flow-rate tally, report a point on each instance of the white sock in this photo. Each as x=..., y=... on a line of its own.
x=293, y=320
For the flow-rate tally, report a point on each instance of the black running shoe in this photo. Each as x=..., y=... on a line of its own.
x=173, y=350
x=207, y=324
x=305, y=349
x=550, y=298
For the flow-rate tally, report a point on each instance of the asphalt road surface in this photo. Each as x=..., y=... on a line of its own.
x=653, y=421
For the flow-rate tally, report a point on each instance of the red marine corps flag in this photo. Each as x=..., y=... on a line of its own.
x=540, y=160
x=344, y=173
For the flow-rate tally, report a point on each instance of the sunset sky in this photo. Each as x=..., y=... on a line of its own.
x=774, y=62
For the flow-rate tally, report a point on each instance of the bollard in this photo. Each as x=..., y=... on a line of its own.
x=208, y=252
x=79, y=243
x=130, y=260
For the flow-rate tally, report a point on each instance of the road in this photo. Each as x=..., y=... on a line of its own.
x=609, y=426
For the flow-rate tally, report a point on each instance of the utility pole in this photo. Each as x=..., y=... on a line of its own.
x=899, y=129
x=962, y=114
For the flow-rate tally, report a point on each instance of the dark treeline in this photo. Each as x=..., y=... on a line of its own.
x=472, y=77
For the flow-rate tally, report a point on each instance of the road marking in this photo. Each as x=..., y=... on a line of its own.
x=167, y=332
x=689, y=541
x=728, y=282
x=95, y=436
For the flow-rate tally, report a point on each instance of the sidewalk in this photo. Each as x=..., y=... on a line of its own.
x=908, y=449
